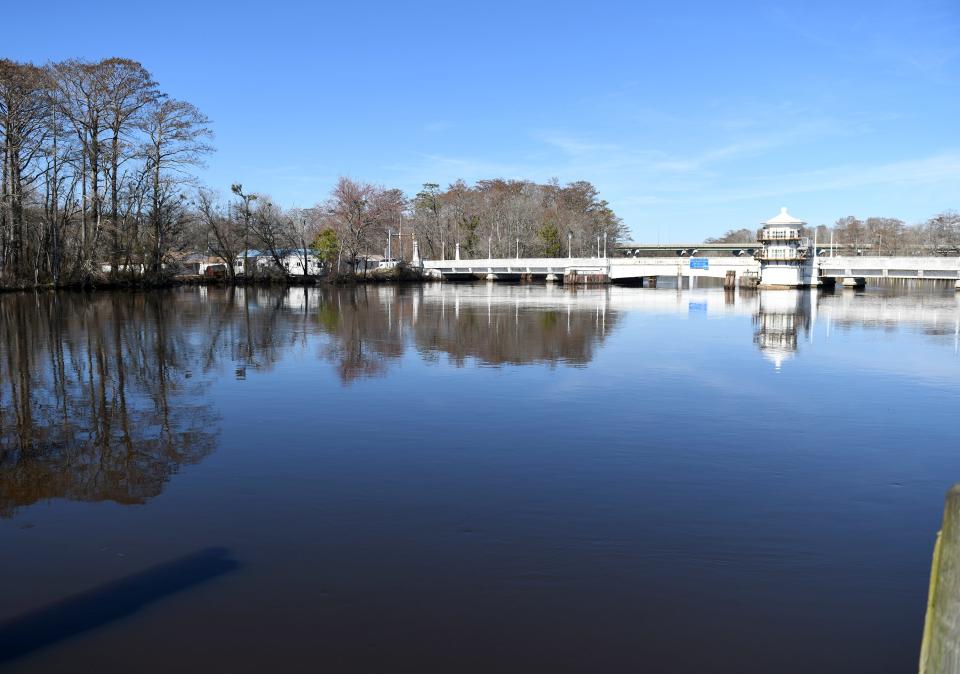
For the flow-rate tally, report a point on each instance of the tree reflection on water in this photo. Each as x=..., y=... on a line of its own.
x=98, y=397
x=103, y=397
x=370, y=327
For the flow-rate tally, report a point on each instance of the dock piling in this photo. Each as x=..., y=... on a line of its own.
x=940, y=648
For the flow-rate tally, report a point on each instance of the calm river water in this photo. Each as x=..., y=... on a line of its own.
x=472, y=478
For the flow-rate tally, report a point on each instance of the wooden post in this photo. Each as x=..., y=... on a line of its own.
x=940, y=649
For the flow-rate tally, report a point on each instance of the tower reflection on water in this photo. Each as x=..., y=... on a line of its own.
x=781, y=317
x=785, y=319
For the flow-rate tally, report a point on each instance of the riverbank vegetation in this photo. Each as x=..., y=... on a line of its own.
x=98, y=186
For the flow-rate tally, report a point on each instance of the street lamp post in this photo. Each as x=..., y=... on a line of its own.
x=569, y=244
x=490, y=247
x=518, y=248
x=604, y=244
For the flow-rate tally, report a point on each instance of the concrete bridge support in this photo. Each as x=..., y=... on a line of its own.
x=588, y=278
x=854, y=282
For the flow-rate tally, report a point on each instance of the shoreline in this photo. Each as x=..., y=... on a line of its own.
x=175, y=282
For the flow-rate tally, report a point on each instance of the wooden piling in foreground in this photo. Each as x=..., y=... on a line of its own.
x=940, y=649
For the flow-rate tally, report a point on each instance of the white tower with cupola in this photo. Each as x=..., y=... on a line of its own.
x=787, y=259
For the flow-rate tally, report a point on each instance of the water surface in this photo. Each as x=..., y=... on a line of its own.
x=472, y=478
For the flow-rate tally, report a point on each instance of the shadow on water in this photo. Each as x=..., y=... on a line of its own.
x=109, y=602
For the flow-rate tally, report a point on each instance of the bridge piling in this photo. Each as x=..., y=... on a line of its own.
x=854, y=282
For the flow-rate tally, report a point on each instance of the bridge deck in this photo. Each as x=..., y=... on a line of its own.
x=624, y=268
x=890, y=267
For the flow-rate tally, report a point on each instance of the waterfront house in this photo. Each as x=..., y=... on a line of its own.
x=293, y=262
x=198, y=264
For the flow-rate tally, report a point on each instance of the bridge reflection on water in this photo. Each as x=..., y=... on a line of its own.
x=782, y=319
x=498, y=324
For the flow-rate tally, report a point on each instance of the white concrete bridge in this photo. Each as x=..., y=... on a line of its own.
x=854, y=270
x=592, y=270
x=783, y=257
x=845, y=270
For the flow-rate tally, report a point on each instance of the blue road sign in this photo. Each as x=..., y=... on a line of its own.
x=699, y=263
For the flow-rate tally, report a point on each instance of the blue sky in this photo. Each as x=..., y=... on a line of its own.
x=690, y=118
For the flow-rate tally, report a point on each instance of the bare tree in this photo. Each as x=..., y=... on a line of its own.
x=176, y=141
x=244, y=213
x=943, y=233
x=128, y=90
x=305, y=226
x=427, y=209
x=360, y=214
x=22, y=132
x=272, y=230
x=82, y=103
x=226, y=234
x=743, y=235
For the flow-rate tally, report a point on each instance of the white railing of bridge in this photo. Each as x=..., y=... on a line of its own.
x=558, y=263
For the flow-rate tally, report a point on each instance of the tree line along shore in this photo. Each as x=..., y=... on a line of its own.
x=99, y=187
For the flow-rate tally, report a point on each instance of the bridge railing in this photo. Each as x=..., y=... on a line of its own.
x=554, y=262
